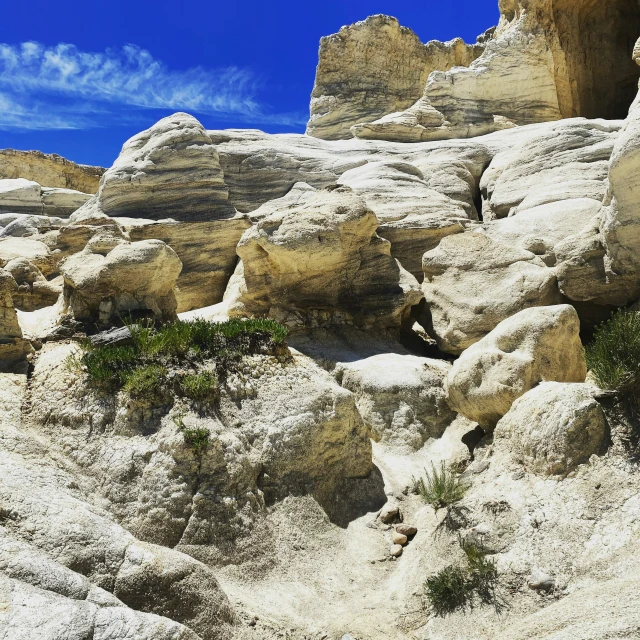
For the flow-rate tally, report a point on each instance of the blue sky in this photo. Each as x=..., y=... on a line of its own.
x=79, y=78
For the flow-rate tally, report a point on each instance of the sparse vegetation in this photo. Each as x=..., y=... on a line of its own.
x=459, y=587
x=141, y=367
x=145, y=382
x=613, y=357
x=441, y=487
x=200, y=386
x=197, y=439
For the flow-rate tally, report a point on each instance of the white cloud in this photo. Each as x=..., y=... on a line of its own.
x=64, y=87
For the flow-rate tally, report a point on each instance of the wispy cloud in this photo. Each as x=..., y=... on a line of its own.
x=63, y=87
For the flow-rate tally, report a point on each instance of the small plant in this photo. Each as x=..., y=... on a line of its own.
x=145, y=382
x=197, y=439
x=613, y=357
x=200, y=386
x=459, y=587
x=441, y=488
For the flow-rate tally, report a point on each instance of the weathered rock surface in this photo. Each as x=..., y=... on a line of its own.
x=372, y=68
x=534, y=345
x=113, y=278
x=400, y=397
x=21, y=225
x=323, y=263
x=281, y=427
x=35, y=251
x=25, y=196
x=553, y=428
x=539, y=65
x=412, y=216
x=472, y=283
x=33, y=290
x=168, y=171
x=50, y=170
x=207, y=251
x=13, y=348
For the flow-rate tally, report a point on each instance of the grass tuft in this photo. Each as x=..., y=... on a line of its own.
x=458, y=587
x=613, y=357
x=196, y=439
x=145, y=382
x=201, y=387
x=440, y=488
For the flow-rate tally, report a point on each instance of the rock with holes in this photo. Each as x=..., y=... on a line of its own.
x=472, y=283
x=33, y=290
x=553, y=428
x=400, y=397
x=534, y=345
x=322, y=263
x=114, y=278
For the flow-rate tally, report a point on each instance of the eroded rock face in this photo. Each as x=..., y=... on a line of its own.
x=207, y=251
x=322, y=263
x=534, y=345
x=372, y=68
x=168, y=171
x=282, y=427
x=33, y=290
x=545, y=61
x=28, y=197
x=13, y=348
x=49, y=169
x=553, y=428
x=115, y=277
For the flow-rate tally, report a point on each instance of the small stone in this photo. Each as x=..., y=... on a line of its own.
x=406, y=530
x=388, y=514
x=540, y=580
x=398, y=538
x=518, y=475
x=395, y=551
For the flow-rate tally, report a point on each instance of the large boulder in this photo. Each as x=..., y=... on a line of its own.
x=105, y=281
x=472, y=283
x=168, y=171
x=33, y=290
x=412, y=216
x=322, y=263
x=534, y=345
x=207, y=251
x=282, y=426
x=28, y=197
x=553, y=428
x=372, y=68
x=400, y=397
x=35, y=251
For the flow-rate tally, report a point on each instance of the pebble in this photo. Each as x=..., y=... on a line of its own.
x=388, y=514
x=395, y=551
x=406, y=530
x=398, y=538
x=541, y=580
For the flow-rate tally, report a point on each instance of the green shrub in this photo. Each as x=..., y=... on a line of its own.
x=200, y=386
x=441, y=488
x=613, y=356
x=145, y=382
x=175, y=343
x=458, y=587
x=448, y=590
x=196, y=439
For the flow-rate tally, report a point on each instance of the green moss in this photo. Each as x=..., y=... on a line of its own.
x=440, y=488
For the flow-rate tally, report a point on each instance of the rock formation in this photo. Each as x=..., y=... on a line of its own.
x=26, y=196
x=545, y=61
x=533, y=345
x=372, y=68
x=114, y=278
x=322, y=263
x=50, y=170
